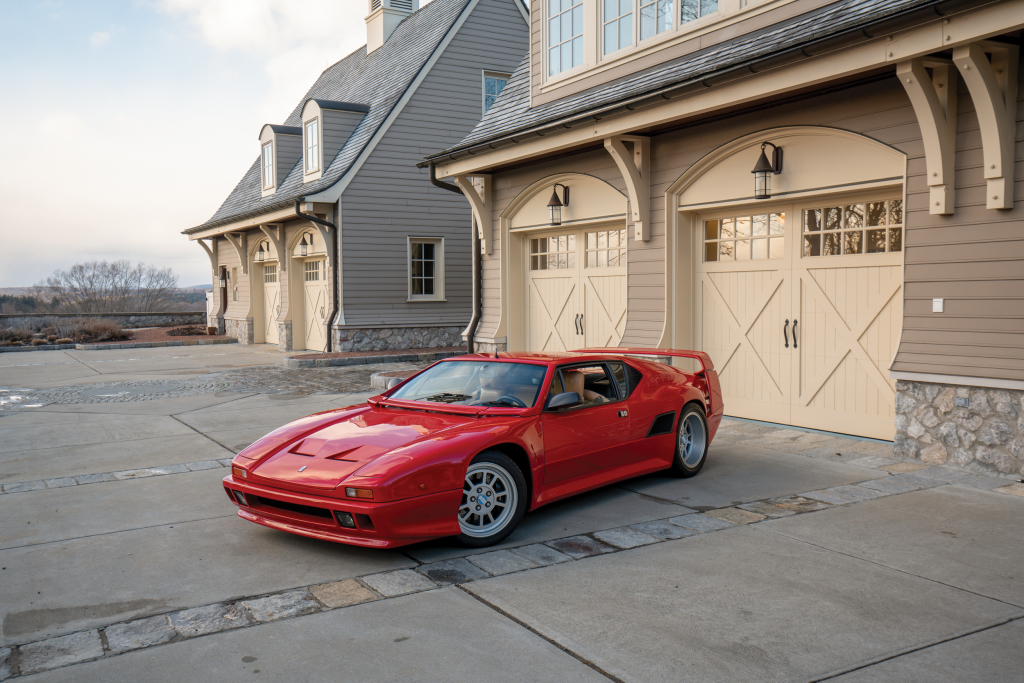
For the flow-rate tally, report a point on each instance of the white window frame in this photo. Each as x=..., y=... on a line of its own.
x=267, y=164
x=483, y=86
x=604, y=52
x=311, y=149
x=561, y=73
x=438, y=243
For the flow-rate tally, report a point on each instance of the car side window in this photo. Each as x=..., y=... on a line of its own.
x=592, y=382
x=619, y=372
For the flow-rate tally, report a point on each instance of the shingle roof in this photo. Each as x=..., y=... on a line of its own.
x=512, y=112
x=377, y=80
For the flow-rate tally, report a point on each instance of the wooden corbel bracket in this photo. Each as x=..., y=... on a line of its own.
x=635, y=168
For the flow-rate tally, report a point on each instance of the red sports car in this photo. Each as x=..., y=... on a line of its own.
x=465, y=447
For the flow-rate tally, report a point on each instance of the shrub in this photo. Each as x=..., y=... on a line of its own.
x=187, y=331
x=13, y=336
x=64, y=341
x=98, y=330
x=39, y=342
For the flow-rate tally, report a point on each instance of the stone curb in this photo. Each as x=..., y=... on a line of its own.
x=299, y=362
x=107, y=347
x=154, y=630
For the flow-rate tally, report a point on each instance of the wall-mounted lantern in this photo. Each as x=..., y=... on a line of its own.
x=260, y=254
x=764, y=170
x=303, y=247
x=555, y=204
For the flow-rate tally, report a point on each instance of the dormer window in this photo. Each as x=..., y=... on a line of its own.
x=312, y=139
x=565, y=35
x=268, y=165
x=494, y=83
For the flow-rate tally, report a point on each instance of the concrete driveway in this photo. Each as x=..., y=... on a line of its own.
x=793, y=556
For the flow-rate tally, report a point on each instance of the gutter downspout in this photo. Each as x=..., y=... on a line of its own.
x=334, y=279
x=474, y=321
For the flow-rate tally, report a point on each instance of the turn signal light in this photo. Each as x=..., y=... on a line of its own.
x=240, y=497
x=239, y=472
x=345, y=519
x=358, y=493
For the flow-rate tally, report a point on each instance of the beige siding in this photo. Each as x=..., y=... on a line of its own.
x=974, y=259
x=391, y=199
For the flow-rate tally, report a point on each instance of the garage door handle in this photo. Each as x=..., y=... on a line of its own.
x=794, y=333
x=785, y=332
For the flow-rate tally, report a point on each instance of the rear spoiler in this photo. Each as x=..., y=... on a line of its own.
x=703, y=358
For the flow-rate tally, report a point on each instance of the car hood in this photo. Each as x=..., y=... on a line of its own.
x=323, y=458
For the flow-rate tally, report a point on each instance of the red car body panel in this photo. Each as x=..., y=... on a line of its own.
x=413, y=455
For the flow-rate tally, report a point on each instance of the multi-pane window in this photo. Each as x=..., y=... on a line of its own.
x=268, y=165
x=655, y=17
x=493, y=85
x=565, y=35
x=557, y=252
x=311, y=271
x=422, y=268
x=695, y=9
x=606, y=248
x=312, y=146
x=618, y=24
x=745, y=238
x=869, y=228
x=270, y=273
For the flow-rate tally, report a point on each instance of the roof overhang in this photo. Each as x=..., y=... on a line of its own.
x=278, y=216
x=841, y=56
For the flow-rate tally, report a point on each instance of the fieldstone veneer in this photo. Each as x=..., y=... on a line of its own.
x=985, y=435
x=382, y=338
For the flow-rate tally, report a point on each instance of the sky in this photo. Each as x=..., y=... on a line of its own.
x=124, y=122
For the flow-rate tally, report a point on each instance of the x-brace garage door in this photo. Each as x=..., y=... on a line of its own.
x=800, y=308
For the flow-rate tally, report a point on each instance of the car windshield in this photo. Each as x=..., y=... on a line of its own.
x=476, y=383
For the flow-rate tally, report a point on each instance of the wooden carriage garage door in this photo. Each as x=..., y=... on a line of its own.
x=800, y=308
x=315, y=305
x=271, y=302
x=577, y=289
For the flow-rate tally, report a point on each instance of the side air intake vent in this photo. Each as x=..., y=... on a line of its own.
x=662, y=424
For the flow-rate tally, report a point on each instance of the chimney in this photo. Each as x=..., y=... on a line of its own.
x=384, y=18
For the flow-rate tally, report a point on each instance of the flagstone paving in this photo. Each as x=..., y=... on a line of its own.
x=794, y=555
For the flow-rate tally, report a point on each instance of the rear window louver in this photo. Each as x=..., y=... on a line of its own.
x=634, y=376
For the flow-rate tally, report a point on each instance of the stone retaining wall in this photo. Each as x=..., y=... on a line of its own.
x=385, y=338
x=112, y=347
x=125, y=320
x=975, y=428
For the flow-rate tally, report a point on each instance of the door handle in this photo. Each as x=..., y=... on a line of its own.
x=581, y=323
x=794, y=333
x=785, y=332
x=576, y=322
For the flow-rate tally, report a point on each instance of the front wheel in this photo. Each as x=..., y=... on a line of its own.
x=691, y=442
x=493, y=500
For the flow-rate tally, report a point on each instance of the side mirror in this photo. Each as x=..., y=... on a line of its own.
x=566, y=400
x=394, y=382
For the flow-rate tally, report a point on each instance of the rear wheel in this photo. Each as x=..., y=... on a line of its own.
x=691, y=442
x=493, y=499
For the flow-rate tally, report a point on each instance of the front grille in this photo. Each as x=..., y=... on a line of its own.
x=294, y=507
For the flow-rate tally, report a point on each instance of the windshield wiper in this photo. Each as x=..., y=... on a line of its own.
x=499, y=402
x=446, y=398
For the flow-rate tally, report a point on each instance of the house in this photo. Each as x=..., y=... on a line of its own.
x=825, y=196
x=333, y=240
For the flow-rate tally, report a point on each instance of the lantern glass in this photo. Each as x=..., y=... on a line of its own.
x=302, y=247
x=762, y=185
x=556, y=214
x=260, y=254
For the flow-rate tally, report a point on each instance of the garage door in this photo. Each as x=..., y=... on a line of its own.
x=800, y=307
x=577, y=289
x=315, y=305
x=271, y=302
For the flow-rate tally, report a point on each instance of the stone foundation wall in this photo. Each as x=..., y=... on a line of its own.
x=125, y=320
x=975, y=428
x=383, y=338
x=242, y=330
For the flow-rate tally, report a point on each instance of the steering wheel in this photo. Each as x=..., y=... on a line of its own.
x=512, y=399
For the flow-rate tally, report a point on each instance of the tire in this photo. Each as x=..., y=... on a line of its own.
x=494, y=477
x=691, y=442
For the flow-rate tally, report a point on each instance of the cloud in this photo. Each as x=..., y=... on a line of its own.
x=99, y=39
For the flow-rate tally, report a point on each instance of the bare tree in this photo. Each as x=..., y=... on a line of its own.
x=110, y=287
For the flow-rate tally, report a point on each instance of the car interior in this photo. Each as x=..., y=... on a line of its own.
x=592, y=383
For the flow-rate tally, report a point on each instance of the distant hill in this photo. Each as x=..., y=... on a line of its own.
x=201, y=287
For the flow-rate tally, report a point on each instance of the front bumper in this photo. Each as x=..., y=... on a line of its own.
x=378, y=525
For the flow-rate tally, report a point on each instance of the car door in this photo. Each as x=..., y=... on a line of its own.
x=591, y=436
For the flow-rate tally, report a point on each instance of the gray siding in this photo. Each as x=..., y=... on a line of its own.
x=338, y=126
x=390, y=199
